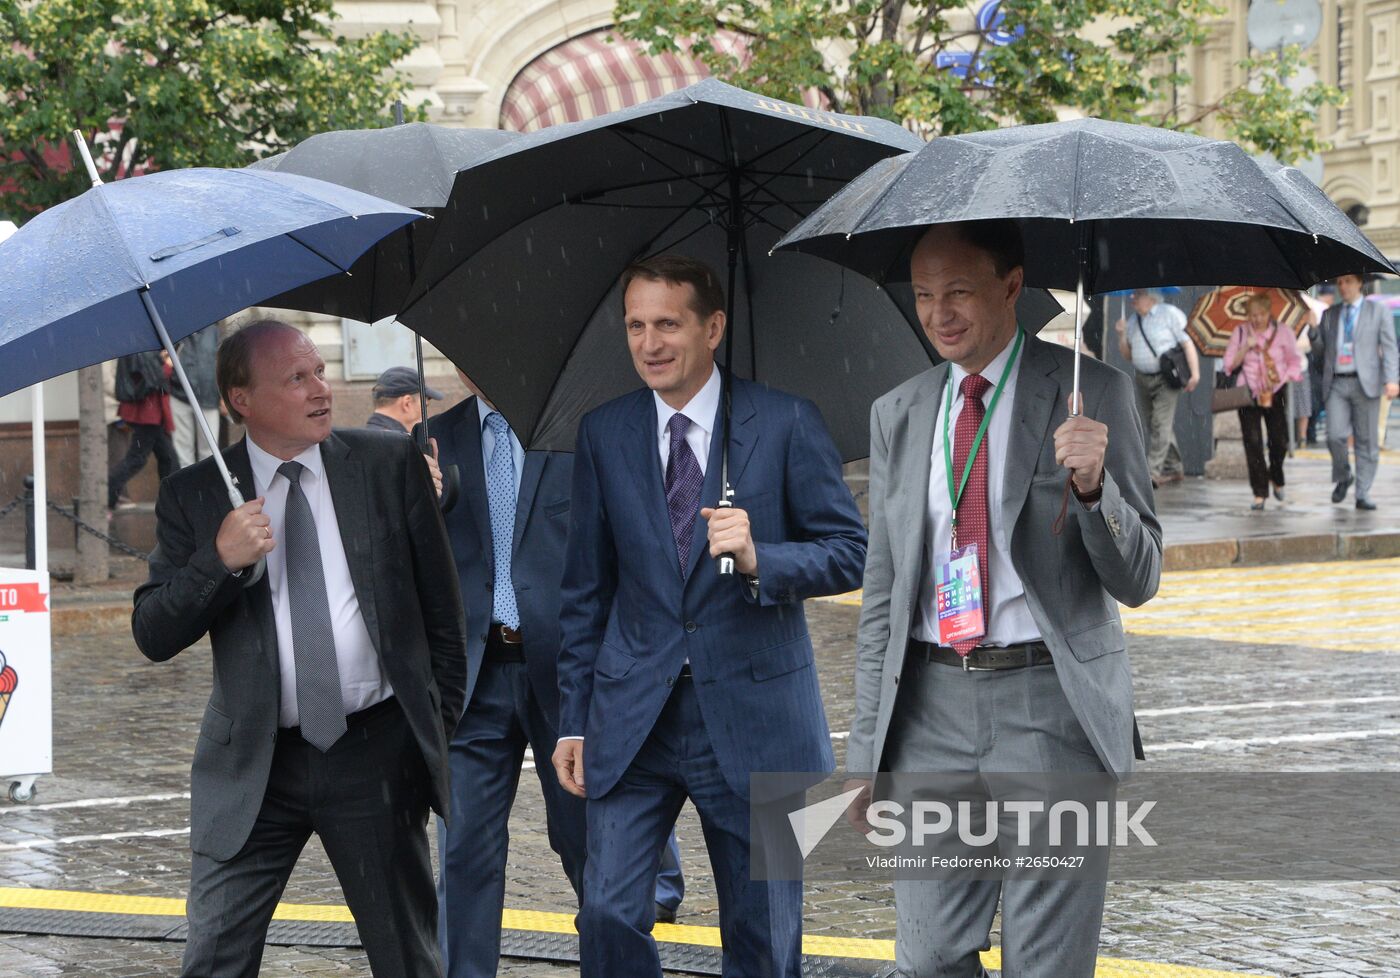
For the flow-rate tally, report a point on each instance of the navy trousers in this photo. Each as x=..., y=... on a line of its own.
x=760, y=922
x=485, y=756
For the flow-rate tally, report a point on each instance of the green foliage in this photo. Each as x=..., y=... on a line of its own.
x=193, y=82
x=1114, y=59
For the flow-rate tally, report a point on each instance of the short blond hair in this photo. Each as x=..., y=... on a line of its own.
x=1259, y=301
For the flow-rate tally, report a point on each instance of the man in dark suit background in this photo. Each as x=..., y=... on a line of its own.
x=507, y=531
x=676, y=681
x=335, y=683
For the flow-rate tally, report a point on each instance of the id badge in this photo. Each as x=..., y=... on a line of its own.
x=957, y=583
x=1344, y=358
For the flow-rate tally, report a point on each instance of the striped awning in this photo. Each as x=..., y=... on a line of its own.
x=591, y=75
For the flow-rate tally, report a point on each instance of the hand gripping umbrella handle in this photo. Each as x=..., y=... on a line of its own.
x=726, y=561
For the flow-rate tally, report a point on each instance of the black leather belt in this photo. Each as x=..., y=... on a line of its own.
x=983, y=659
x=504, y=644
x=357, y=719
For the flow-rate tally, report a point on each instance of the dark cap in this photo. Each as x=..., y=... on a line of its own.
x=398, y=381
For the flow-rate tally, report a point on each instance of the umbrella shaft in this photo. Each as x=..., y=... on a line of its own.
x=235, y=497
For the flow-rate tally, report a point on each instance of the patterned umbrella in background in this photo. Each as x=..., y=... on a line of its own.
x=1221, y=310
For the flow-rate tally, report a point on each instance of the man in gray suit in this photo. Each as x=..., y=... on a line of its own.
x=1048, y=672
x=1359, y=364
x=338, y=675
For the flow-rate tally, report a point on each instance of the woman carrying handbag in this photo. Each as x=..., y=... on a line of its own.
x=1264, y=355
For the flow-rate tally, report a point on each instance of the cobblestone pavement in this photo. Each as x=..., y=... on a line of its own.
x=125, y=729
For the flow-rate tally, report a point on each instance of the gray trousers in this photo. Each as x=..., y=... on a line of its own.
x=1015, y=721
x=1156, y=404
x=1351, y=412
x=190, y=446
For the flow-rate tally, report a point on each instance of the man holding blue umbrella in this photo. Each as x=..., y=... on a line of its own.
x=335, y=685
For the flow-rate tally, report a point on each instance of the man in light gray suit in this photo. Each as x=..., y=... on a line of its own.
x=1359, y=363
x=1046, y=687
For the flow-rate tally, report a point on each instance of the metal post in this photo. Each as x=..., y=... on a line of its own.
x=29, y=522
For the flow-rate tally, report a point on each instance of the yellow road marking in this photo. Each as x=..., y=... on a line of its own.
x=818, y=945
x=1341, y=606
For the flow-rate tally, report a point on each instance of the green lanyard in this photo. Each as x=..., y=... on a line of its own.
x=955, y=495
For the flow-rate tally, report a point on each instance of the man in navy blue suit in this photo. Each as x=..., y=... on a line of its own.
x=676, y=682
x=507, y=531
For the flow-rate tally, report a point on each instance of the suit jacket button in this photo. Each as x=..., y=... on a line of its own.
x=690, y=627
x=670, y=680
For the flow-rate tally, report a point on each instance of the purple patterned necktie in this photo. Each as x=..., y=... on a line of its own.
x=683, y=482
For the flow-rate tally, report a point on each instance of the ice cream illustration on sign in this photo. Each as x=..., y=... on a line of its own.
x=8, y=682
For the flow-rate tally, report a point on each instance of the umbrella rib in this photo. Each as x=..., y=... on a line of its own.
x=624, y=131
x=292, y=235
x=582, y=198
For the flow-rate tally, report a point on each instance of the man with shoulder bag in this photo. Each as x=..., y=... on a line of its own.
x=1164, y=364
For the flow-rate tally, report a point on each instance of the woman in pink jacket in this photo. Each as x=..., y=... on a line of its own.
x=1266, y=356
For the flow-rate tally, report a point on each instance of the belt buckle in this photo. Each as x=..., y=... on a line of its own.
x=968, y=667
x=511, y=636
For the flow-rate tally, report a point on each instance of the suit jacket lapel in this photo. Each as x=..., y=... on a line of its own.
x=644, y=459
x=912, y=441
x=535, y=463
x=259, y=594
x=468, y=436
x=345, y=476
x=1036, y=392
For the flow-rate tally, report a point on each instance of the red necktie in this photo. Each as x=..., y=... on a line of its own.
x=972, y=504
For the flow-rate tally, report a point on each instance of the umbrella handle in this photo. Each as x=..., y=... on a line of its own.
x=726, y=561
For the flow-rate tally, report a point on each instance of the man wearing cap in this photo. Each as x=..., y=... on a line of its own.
x=396, y=401
x=1359, y=364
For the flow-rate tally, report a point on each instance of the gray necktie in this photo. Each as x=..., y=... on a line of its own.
x=319, y=701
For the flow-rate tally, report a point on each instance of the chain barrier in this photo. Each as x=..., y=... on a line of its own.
x=11, y=506
x=111, y=541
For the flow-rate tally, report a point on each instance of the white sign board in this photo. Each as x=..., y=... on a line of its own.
x=26, y=685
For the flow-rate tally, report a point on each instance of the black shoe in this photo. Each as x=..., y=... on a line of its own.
x=1278, y=493
x=1257, y=506
x=665, y=914
x=1365, y=504
x=1339, y=491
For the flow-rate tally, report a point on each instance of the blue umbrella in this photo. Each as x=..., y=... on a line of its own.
x=142, y=263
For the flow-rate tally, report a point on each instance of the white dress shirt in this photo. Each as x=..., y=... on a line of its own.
x=701, y=410
x=488, y=444
x=1011, y=622
x=362, y=684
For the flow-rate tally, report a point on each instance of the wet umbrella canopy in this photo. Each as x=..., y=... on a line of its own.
x=201, y=243
x=520, y=289
x=1131, y=205
x=411, y=165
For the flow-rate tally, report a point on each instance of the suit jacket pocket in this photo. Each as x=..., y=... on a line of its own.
x=560, y=508
x=613, y=662
x=779, y=660
x=217, y=726
x=1096, y=640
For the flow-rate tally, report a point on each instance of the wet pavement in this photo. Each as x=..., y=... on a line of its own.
x=113, y=818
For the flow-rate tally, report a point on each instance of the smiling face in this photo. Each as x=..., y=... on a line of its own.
x=286, y=404
x=967, y=310
x=673, y=347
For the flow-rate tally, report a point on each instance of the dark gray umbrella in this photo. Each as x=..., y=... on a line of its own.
x=1103, y=206
x=414, y=162
x=520, y=289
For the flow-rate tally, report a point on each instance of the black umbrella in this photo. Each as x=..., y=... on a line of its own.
x=520, y=288
x=1103, y=206
x=414, y=162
